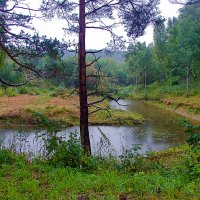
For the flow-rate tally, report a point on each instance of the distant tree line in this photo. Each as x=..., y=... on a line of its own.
x=174, y=54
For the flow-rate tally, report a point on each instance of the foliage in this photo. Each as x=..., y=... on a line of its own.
x=9, y=73
x=130, y=159
x=70, y=153
x=24, y=47
x=117, y=71
x=174, y=53
x=64, y=153
x=59, y=152
x=173, y=87
x=66, y=72
x=49, y=125
x=6, y=157
x=139, y=58
x=193, y=132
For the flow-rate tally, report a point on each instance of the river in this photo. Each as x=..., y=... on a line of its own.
x=160, y=131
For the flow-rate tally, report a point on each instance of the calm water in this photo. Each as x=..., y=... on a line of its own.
x=160, y=131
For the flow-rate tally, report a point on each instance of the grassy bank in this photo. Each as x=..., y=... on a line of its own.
x=167, y=96
x=187, y=107
x=154, y=177
x=18, y=110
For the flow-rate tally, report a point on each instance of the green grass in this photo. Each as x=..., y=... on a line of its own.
x=118, y=117
x=39, y=87
x=154, y=178
x=157, y=90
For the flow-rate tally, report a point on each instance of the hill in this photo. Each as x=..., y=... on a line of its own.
x=117, y=55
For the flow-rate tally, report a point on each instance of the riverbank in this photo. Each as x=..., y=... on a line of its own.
x=173, y=100
x=137, y=177
x=18, y=110
x=187, y=107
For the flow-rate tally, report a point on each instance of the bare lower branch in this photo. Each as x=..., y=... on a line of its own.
x=99, y=93
x=93, y=61
x=98, y=76
x=109, y=4
x=13, y=84
x=93, y=51
x=96, y=102
x=17, y=62
x=100, y=109
x=71, y=93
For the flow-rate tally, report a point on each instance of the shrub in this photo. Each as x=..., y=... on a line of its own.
x=193, y=132
x=59, y=152
x=131, y=160
x=6, y=157
x=64, y=153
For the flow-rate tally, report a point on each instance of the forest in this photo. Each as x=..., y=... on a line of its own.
x=121, y=123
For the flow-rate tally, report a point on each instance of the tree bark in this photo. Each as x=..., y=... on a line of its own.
x=145, y=84
x=145, y=79
x=187, y=81
x=84, y=131
x=136, y=81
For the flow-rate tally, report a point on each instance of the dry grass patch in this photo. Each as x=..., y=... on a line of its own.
x=19, y=110
x=193, y=102
x=188, y=107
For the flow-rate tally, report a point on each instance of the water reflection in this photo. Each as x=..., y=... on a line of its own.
x=160, y=131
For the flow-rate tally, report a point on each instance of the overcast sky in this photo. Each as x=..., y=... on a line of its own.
x=97, y=39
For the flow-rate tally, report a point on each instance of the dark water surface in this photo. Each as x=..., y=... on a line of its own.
x=160, y=131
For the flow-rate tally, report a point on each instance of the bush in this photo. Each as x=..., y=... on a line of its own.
x=23, y=90
x=64, y=153
x=10, y=158
x=6, y=157
x=59, y=152
x=59, y=92
x=131, y=160
x=193, y=132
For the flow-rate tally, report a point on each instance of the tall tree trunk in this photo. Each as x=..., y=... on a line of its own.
x=187, y=81
x=145, y=79
x=136, y=81
x=84, y=131
x=145, y=84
